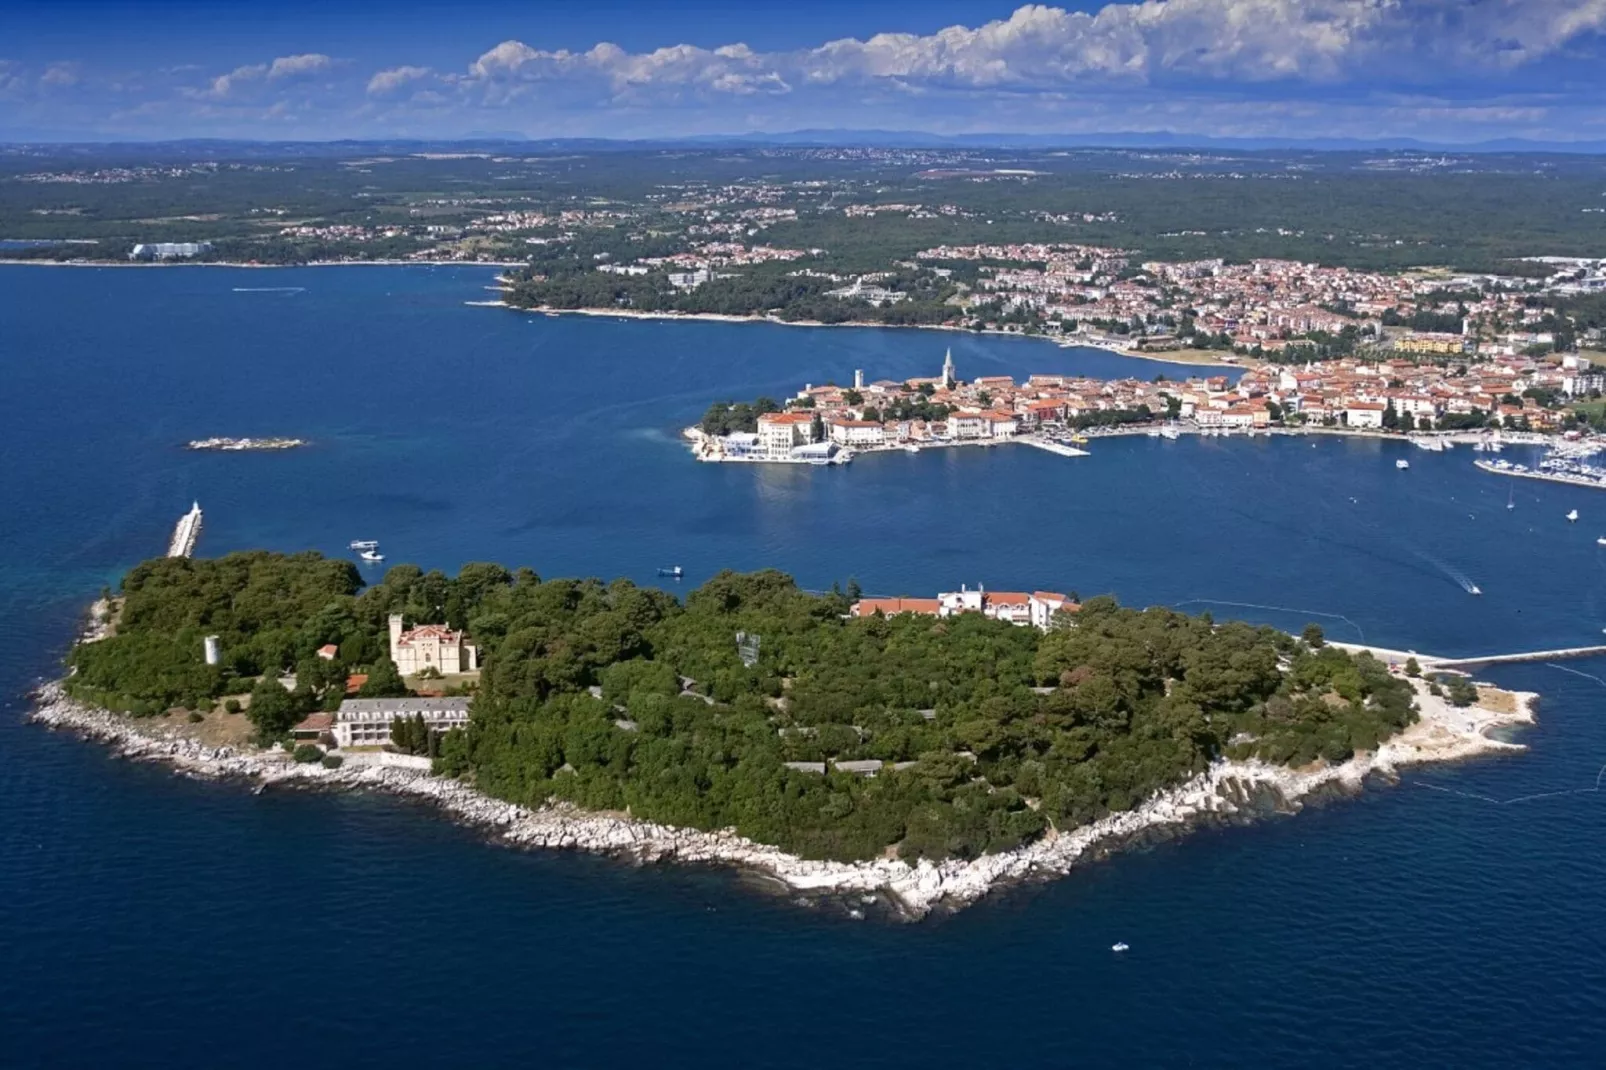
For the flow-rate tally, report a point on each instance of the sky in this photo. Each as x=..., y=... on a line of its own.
x=1452, y=71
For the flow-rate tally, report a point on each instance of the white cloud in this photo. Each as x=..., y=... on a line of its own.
x=296, y=66
x=282, y=69
x=1038, y=46
x=60, y=76
x=389, y=81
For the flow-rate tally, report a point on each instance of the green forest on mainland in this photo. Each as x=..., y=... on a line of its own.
x=1009, y=729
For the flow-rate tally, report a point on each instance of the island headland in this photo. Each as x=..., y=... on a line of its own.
x=905, y=755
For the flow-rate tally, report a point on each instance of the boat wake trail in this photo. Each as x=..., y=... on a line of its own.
x=1591, y=790
x=1276, y=609
x=1451, y=571
x=1575, y=672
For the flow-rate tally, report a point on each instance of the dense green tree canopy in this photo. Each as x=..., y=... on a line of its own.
x=619, y=697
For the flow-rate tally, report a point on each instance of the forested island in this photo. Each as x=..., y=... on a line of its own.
x=616, y=697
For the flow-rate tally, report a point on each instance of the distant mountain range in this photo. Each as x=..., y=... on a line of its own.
x=830, y=138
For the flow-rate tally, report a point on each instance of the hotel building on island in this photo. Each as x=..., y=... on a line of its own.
x=1036, y=608
x=365, y=722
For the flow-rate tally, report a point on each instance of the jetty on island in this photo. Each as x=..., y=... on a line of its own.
x=185, y=532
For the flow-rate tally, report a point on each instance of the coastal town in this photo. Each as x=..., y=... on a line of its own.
x=1486, y=400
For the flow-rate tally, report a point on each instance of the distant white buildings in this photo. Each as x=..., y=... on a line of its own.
x=430, y=646
x=169, y=250
x=858, y=290
x=365, y=722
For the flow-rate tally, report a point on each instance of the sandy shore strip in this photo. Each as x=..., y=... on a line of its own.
x=1444, y=733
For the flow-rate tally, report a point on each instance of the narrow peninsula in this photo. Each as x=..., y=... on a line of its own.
x=909, y=754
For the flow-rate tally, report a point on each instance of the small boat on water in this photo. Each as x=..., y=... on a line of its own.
x=1511, y=498
x=1572, y=516
x=1402, y=463
x=371, y=556
x=673, y=572
x=911, y=448
x=364, y=544
x=1118, y=947
x=1474, y=589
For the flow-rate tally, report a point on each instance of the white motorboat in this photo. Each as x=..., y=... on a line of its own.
x=911, y=448
x=1118, y=947
x=1601, y=541
x=1572, y=515
x=1474, y=589
x=1402, y=463
x=364, y=544
x=371, y=556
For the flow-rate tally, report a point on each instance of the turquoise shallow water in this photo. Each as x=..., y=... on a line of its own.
x=150, y=920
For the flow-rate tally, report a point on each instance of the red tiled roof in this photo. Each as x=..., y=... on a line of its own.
x=315, y=722
x=429, y=631
x=867, y=607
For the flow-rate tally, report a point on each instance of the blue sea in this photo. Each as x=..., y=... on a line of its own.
x=150, y=920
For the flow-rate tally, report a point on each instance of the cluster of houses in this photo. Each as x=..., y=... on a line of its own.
x=825, y=421
x=1036, y=609
x=1264, y=304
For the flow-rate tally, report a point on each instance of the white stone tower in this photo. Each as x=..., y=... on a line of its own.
x=948, y=379
x=395, y=633
x=214, y=652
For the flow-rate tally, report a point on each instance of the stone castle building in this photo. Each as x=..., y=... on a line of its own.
x=431, y=646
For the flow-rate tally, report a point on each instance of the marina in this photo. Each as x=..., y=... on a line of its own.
x=1550, y=471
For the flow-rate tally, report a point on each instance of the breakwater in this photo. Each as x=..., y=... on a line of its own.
x=185, y=532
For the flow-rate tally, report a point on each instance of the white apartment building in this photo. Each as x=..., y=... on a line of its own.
x=365, y=722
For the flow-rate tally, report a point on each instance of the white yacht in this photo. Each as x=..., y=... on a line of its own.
x=364, y=544
x=1402, y=463
x=371, y=556
x=1572, y=515
x=1118, y=947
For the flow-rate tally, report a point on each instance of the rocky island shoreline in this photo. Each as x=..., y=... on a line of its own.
x=1228, y=790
